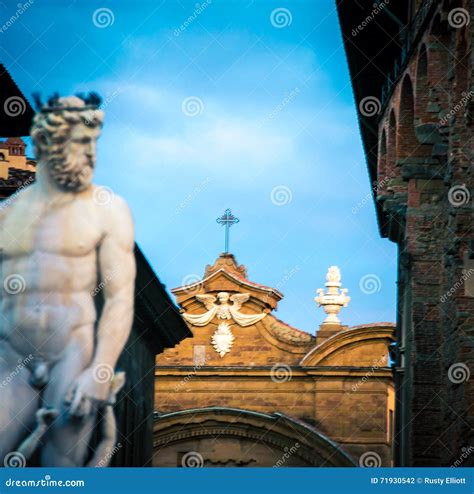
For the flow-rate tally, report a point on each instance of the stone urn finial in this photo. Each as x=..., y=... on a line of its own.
x=335, y=298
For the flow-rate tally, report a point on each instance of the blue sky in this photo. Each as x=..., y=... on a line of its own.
x=212, y=106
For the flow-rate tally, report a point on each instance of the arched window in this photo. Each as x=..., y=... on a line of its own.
x=2, y=157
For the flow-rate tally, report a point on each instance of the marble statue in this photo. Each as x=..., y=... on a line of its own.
x=60, y=239
x=221, y=308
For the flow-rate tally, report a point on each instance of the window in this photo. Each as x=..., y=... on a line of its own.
x=199, y=355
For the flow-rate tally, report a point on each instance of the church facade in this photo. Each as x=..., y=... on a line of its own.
x=250, y=390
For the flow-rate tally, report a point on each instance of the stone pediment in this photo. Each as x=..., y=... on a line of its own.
x=359, y=346
x=232, y=315
x=226, y=275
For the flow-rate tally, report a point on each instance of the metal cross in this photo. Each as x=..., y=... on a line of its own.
x=227, y=220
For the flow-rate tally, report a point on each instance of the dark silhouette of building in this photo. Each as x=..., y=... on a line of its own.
x=411, y=68
x=16, y=113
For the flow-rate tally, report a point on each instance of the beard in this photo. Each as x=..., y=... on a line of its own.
x=73, y=173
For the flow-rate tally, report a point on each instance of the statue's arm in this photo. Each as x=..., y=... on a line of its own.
x=117, y=274
x=117, y=277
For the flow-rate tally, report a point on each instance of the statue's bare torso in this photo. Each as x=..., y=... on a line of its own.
x=55, y=262
x=57, y=255
x=57, y=278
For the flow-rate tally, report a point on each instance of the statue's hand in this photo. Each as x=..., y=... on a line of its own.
x=86, y=391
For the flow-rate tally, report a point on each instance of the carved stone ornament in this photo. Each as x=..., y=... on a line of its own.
x=335, y=298
x=221, y=308
x=223, y=339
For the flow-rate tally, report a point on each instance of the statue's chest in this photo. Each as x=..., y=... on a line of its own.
x=67, y=231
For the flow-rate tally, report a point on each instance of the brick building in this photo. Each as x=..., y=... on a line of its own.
x=411, y=64
x=250, y=390
x=16, y=170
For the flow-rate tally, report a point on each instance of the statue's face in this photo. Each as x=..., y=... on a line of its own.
x=74, y=169
x=223, y=297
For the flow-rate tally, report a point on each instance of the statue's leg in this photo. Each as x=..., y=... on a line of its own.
x=66, y=442
x=19, y=402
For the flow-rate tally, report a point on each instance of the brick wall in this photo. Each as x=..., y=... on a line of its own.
x=427, y=126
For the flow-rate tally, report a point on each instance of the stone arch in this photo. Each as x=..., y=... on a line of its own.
x=461, y=64
x=407, y=143
x=439, y=39
x=391, y=161
x=216, y=436
x=378, y=336
x=422, y=86
x=381, y=184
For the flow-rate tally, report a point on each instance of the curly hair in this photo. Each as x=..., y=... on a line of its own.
x=51, y=128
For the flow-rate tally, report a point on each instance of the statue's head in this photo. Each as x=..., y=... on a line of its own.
x=64, y=135
x=223, y=297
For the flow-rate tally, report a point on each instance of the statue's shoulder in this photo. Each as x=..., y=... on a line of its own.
x=23, y=197
x=114, y=213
